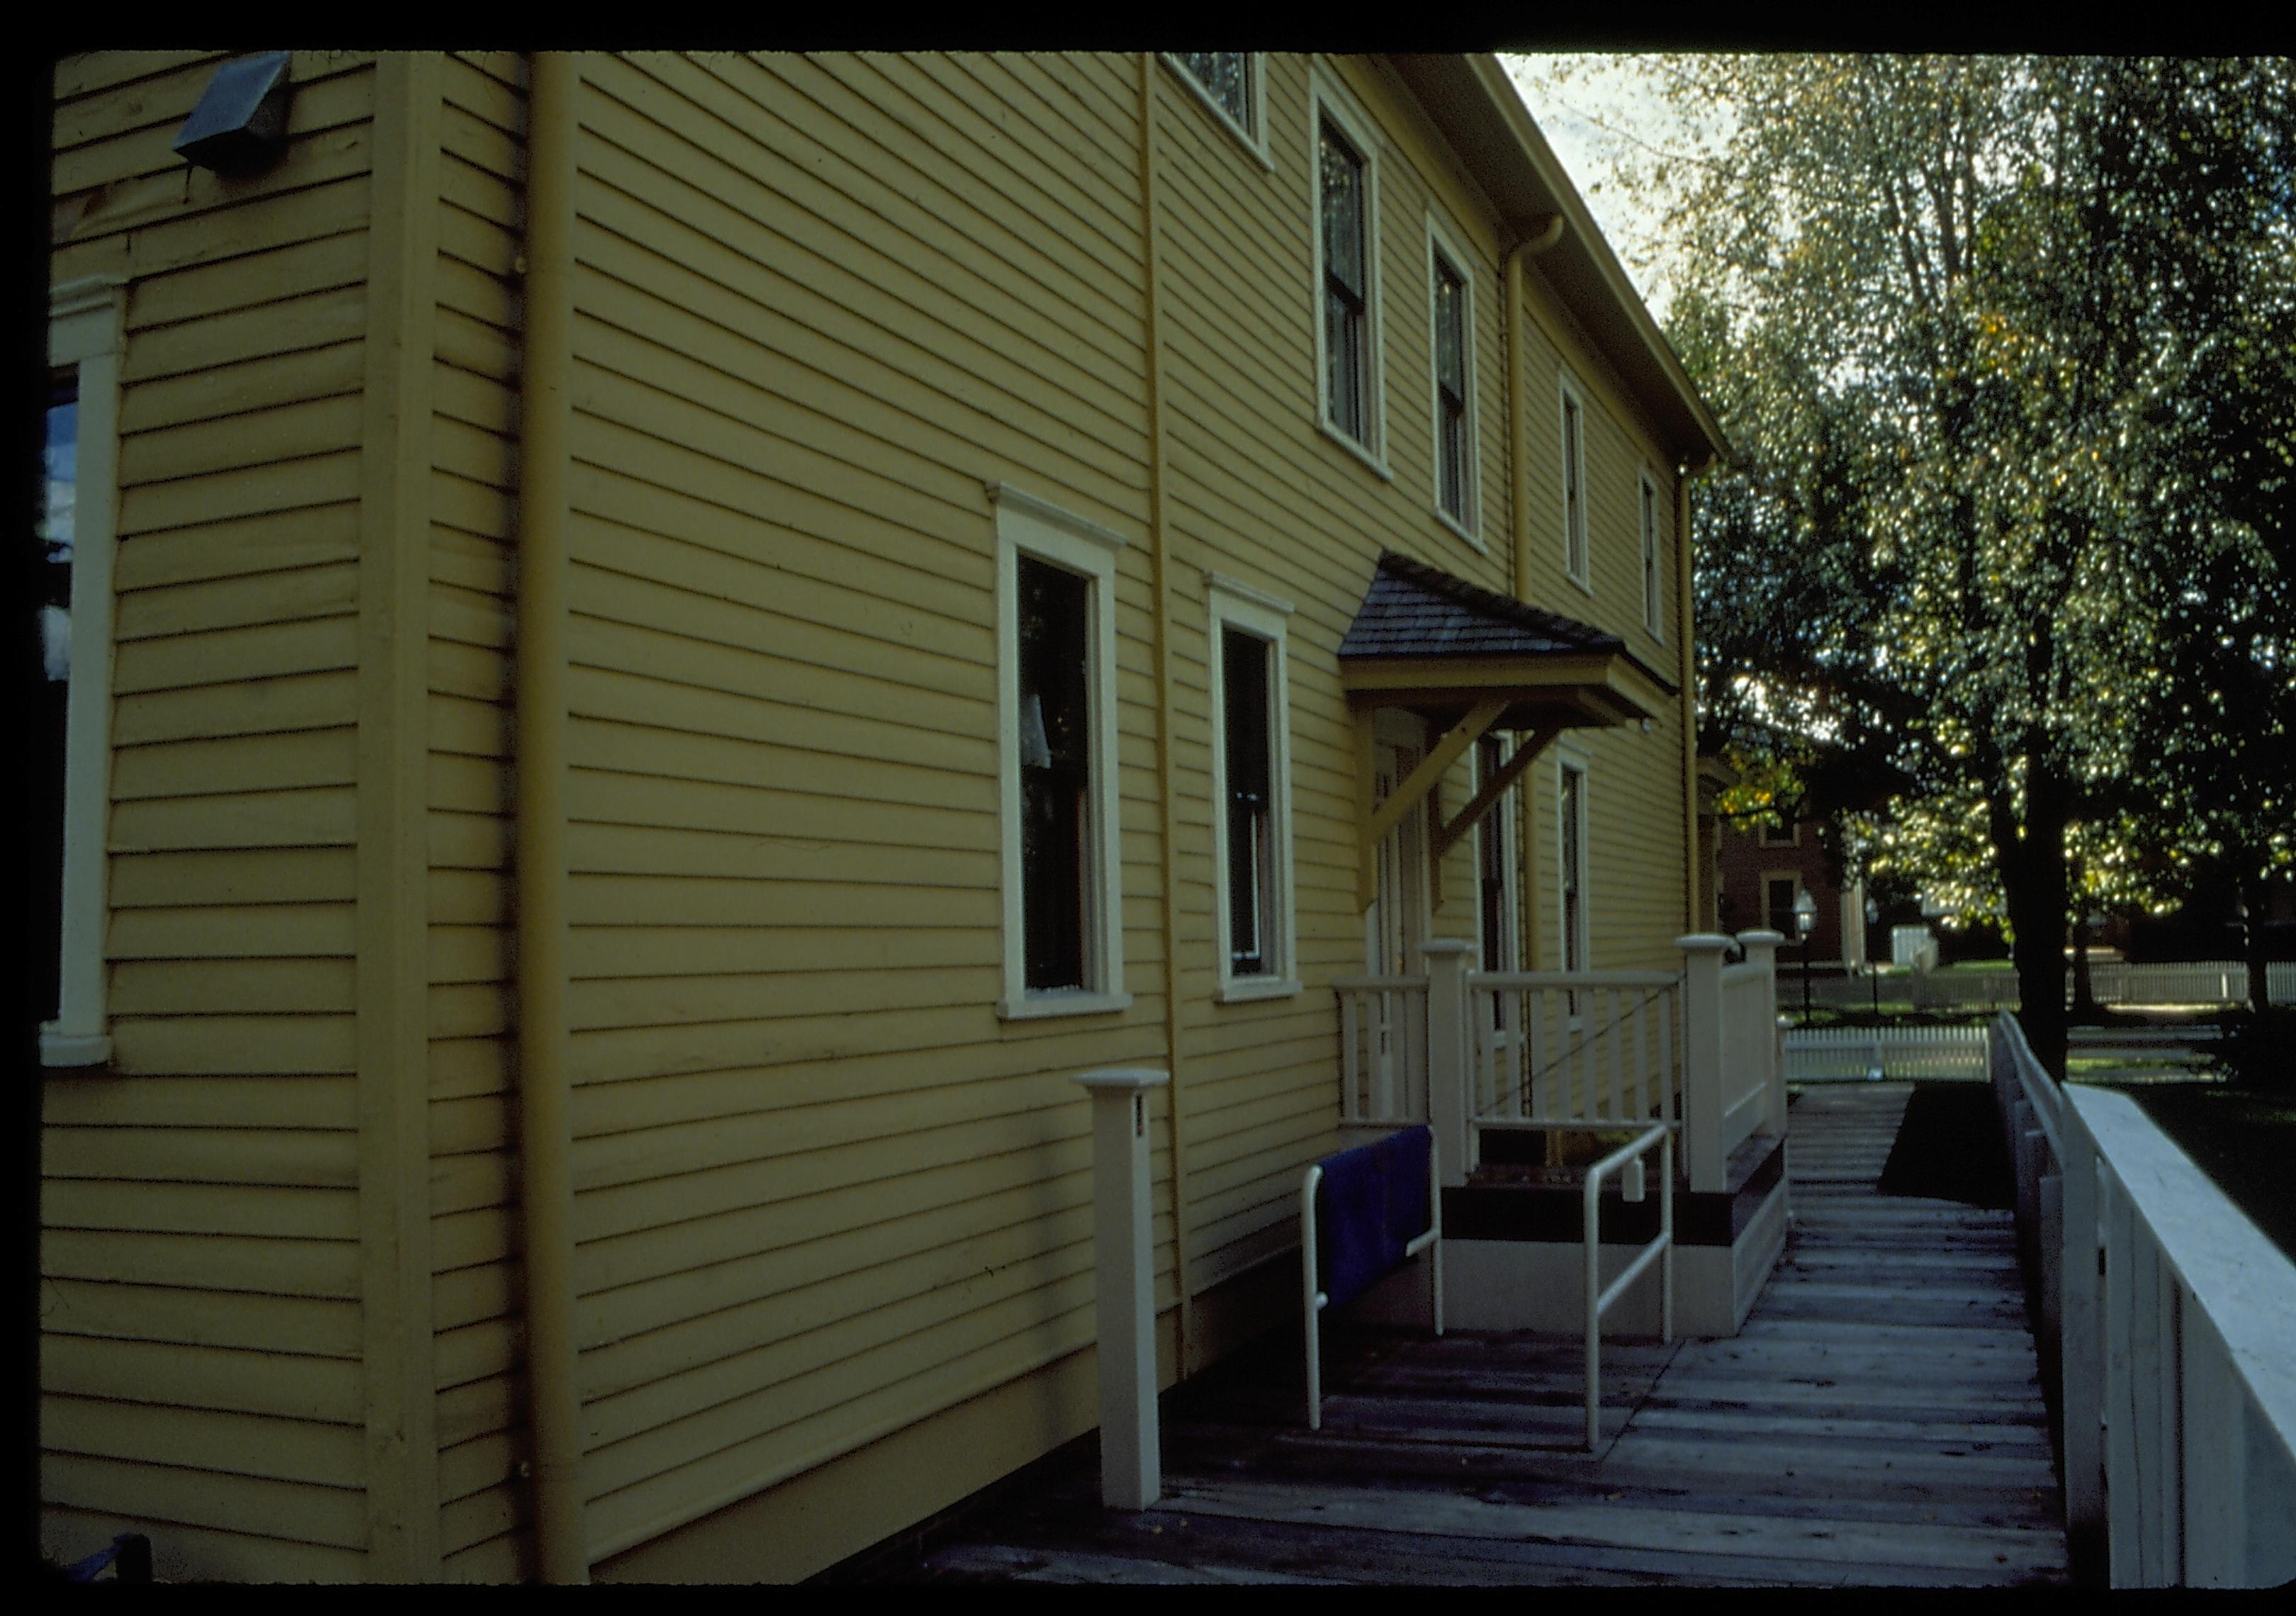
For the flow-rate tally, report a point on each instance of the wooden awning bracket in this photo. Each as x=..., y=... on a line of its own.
x=1525, y=753
x=1412, y=791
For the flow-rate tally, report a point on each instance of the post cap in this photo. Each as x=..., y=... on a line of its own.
x=1449, y=945
x=1124, y=1080
x=1761, y=934
x=1704, y=942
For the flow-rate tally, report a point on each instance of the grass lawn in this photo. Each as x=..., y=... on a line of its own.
x=2242, y=1138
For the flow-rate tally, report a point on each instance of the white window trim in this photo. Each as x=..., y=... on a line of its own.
x=85, y=331
x=1327, y=99
x=1653, y=519
x=1025, y=523
x=1444, y=243
x=1569, y=393
x=1255, y=141
x=1267, y=616
x=1572, y=761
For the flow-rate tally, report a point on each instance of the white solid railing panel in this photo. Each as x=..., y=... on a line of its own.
x=2170, y=1314
x=1750, y=1035
x=1382, y=1051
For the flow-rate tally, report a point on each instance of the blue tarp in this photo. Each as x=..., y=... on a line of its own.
x=1372, y=1204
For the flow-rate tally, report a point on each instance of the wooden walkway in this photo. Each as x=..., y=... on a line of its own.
x=1878, y=1422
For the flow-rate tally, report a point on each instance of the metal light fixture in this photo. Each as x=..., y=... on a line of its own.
x=240, y=126
x=1805, y=922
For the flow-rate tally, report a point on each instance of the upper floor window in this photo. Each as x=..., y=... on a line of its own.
x=1654, y=516
x=1346, y=275
x=1231, y=83
x=1251, y=783
x=1056, y=706
x=76, y=536
x=1570, y=842
x=1781, y=834
x=1452, y=314
x=1574, y=485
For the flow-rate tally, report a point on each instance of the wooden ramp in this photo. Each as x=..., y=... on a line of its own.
x=1877, y=1422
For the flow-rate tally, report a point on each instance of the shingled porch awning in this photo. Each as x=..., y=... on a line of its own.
x=1470, y=661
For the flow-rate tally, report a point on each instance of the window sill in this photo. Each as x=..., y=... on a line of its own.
x=1244, y=989
x=1037, y=1006
x=1584, y=584
x=74, y=1049
x=1354, y=448
x=1459, y=527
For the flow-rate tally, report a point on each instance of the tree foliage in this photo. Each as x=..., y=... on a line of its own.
x=2005, y=347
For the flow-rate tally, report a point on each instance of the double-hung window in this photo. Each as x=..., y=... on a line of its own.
x=1495, y=865
x=1571, y=873
x=1252, y=790
x=1574, y=485
x=1653, y=517
x=1056, y=778
x=77, y=540
x=1232, y=84
x=1346, y=275
x=1451, y=307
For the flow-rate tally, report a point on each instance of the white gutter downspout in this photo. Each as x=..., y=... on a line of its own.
x=545, y=1132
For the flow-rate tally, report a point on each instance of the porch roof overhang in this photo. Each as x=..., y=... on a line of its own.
x=1472, y=661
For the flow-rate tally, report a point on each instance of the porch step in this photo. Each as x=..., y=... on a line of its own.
x=1523, y=1201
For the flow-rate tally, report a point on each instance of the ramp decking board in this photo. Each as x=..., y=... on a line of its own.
x=1878, y=1422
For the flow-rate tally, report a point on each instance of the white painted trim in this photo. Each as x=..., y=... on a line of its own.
x=1084, y=547
x=1572, y=761
x=86, y=329
x=1254, y=141
x=1262, y=615
x=1501, y=821
x=1328, y=98
x=1443, y=243
x=1651, y=518
x=1045, y=511
x=1226, y=585
x=1569, y=393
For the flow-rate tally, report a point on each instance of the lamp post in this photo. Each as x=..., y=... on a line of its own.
x=1873, y=965
x=1805, y=922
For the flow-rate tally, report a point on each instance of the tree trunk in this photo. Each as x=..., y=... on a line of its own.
x=2085, y=1011
x=2033, y=880
x=2253, y=897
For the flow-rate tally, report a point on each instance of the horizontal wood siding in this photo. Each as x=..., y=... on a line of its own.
x=822, y=1192
x=199, y=1304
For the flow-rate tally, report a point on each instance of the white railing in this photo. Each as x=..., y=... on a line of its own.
x=2112, y=981
x=1751, y=1060
x=1823, y=1055
x=1590, y=1049
x=1382, y=1051
x=2166, y=1315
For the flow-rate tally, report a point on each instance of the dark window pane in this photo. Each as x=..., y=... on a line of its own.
x=54, y=537
x=1056, y=773
x=1451, y=392
x=1498, y=925
x=1226, y=78
x=1251, y=826
x=1345, y=280
x=1574, y=872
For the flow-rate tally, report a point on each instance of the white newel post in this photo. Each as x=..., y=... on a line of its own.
x=1131, y=1457
x=1701, y=1058
x=1761, y=946
x=1448, y=1053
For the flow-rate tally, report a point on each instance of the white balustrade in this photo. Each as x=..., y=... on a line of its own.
x=1382, y=1051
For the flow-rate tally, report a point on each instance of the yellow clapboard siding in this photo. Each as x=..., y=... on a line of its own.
x=626, y=823
x=147, y=145
x=685, y=1001
x=468, y=1011
x=288, y=485
x=285, y=1385
x=596, y=743
x=317, y=876
x=464, y=1068
x=258, y=223
x=640, y=952
x=476, y=673
x=470, y=617
x=323, y=264
x=480, y=216
x=193, y=1554
x=202, y=1155
x=239, y=389
x=212, y=765
x=461, y=1124
x=277, y=706
x=472, y=345
x=480, y=124
x=482, y=1235
x=491, y=83
x=476, y=1351
x=301, y=1102
x=308, y=593
x=471, y=1467
x=313, y=817
x=468, y=953
x=463, y=1184
x=468, y=1296
x=315, y=320
x=484, y=1537
x=269, y=1266
x=199, y=1317
x=229, y=1045
x=258, y=439
x=297, y=930
x=233, y=1444
x=252, y=987
x=467, y=728
x=469, y=785
x=479, y=401
x=468, y=897
x=272, y=543
x=678, y=901
x=479, y=1408
x=300, y=1512
x=99, y=91
x=471, y=842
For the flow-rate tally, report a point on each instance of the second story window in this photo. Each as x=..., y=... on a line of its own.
x=1574, y=485
x=1346, y=286
x=1453, y=447
x=1227, y=80
x=1653, y=514
x=1251, y=771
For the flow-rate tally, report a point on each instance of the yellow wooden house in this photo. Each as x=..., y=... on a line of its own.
x=653, y=652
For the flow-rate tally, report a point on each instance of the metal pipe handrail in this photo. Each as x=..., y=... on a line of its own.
x=1661, y=1249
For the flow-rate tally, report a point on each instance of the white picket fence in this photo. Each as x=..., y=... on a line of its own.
x=2113, y=982
x=1834, y=1054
